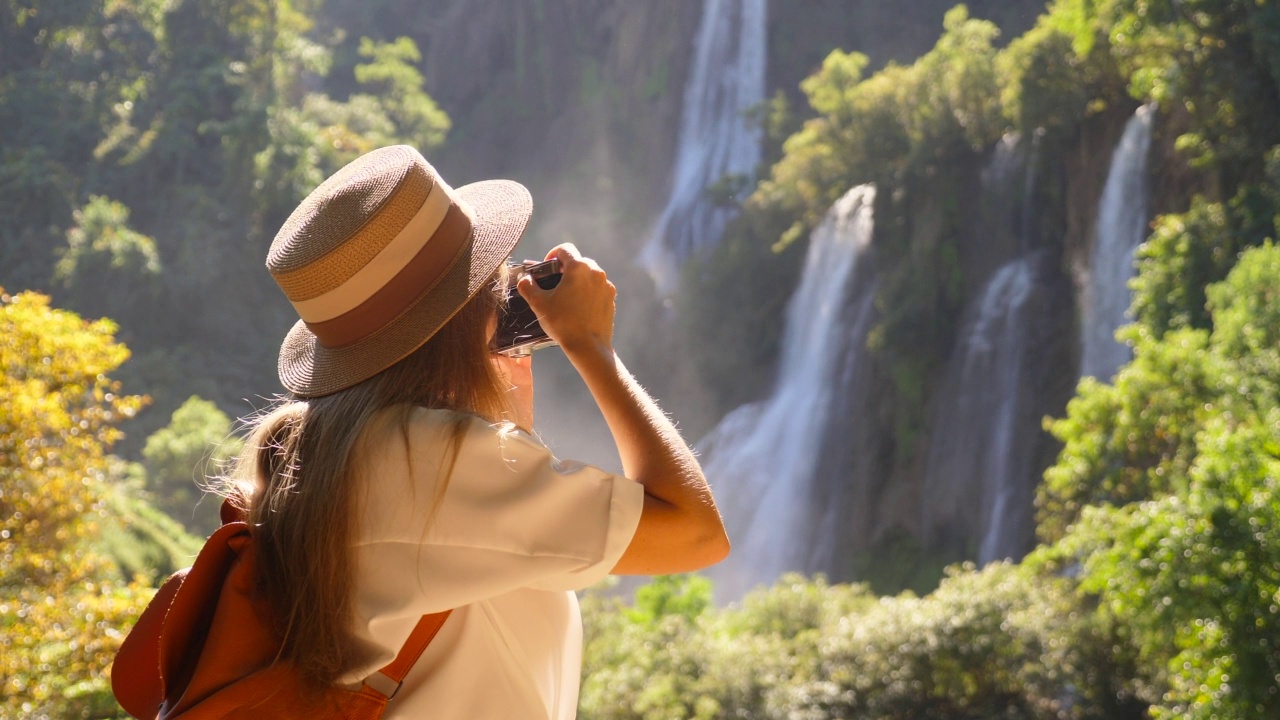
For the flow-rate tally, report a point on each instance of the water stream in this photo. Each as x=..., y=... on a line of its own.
x=979, y=477
x=762, y=456
x=715, y=139
x=1122, y=225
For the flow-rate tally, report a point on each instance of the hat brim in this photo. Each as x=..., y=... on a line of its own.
x=500, y=212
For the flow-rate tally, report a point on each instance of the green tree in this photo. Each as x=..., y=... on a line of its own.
x=319, y=134
x=674, y=656
x=1216, y=59
x=1135, y=439
x=66, y=70
x=1246, y=326
x=1191, y=250
x=1055, y=75
x=391, y=75
x=686, y=595
x=902, y=119
x=140, y=539
x=180, y=456
x=1005, y=642
x=106, y=267
x=1195, y=577
x=1002, y=642
x=1186, y=557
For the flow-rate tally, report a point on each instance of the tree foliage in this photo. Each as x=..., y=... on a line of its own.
x=674, y=656
x=1132, y=440
x=1186, y=554
x=105, y=264
x=150, y=151
x=1195, y=576
x=1217, y=59
x=141, y=540
x=1056, y=74
x=179, y=457
x=390, y=73
x=900, y=120
x=62, y=608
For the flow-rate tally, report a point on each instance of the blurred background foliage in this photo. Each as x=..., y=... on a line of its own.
x=150, y=148
x=64, y=602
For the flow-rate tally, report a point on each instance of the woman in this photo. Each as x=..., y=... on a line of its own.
x=402, y=480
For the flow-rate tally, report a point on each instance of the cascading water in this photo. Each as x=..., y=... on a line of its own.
x=1005, y=167
x=715, y=139
x=1002, y=221
x=980, y=462
x=761, y=457
x=984, y=437
x=1122, y=225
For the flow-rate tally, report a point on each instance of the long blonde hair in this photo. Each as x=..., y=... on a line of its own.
x=297, y=483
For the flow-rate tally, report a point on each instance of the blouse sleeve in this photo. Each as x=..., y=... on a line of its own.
x=509, y=516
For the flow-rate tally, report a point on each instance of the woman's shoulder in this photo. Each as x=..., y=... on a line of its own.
x=418, y=425
x=435, y=420
x=424, y=442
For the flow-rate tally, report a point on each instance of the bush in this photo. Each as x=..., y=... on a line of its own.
x=665, y=660
x=1185, y=556
x=1004, y=642
x=1000, y=643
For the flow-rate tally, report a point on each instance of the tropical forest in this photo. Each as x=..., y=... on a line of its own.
x=971, y=312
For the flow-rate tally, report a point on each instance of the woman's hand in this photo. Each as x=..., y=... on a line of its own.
x=578, y=312
x=517, y=372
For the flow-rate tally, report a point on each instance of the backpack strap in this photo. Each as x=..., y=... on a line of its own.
x=386, y=682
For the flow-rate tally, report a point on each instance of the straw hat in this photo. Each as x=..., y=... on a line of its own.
x=378, y=258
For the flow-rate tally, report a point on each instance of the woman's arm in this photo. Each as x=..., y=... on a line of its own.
x=680, y=528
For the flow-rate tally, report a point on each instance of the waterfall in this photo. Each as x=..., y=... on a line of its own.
x=1005, y=168
x=980, y=463
x=1003, y=221
x=715, y=139
x=761, y=457
x=1007, y=217
x=1122, y=226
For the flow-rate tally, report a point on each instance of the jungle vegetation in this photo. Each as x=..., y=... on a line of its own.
x=151, y=147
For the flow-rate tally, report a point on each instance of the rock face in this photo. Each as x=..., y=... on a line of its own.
x=580, y=101
x=963, y=488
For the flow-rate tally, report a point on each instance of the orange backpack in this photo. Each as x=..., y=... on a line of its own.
x=202, y=651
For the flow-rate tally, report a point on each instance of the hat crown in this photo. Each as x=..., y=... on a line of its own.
x=343, y=204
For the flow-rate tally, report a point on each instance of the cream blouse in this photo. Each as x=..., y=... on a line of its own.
x=514, y=533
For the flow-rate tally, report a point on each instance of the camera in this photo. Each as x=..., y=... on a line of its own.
x=519, y=332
